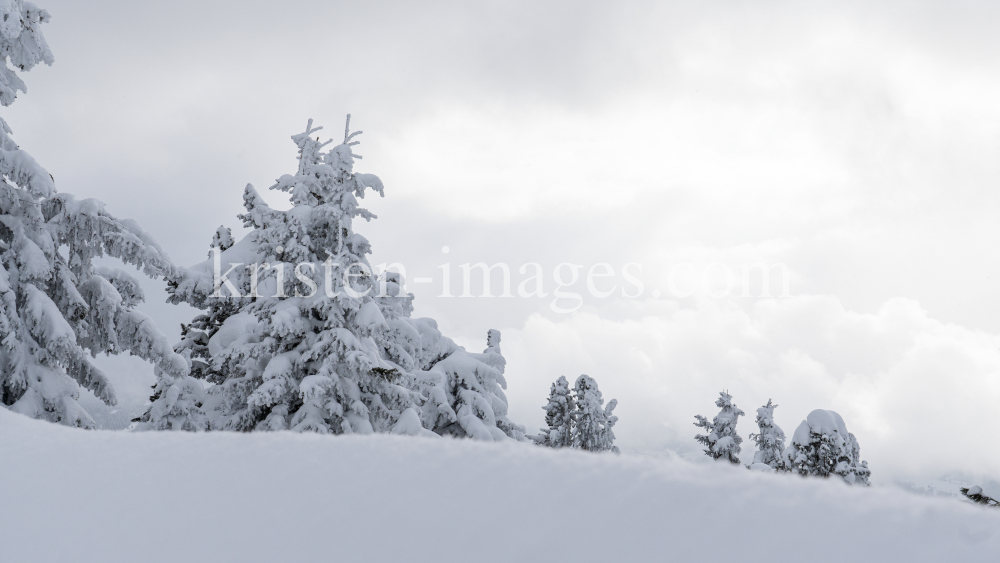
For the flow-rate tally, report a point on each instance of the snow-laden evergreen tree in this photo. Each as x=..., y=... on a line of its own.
x=299, y=333
x=593, y=423
x=465, y=391
x=56, y=306
x=975, y=494
x=721, y=440
x=176, y=403
x=770, y=440
x=821, y=446
x=560, y=415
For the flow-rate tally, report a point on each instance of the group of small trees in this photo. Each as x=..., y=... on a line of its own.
x=577, y=417
x=821, y=446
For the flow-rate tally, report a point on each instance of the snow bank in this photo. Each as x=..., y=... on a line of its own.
x=72, y=495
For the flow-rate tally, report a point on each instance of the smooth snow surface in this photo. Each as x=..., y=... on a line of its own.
x=75, y=495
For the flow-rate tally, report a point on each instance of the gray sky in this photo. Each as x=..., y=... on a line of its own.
x=857, y=144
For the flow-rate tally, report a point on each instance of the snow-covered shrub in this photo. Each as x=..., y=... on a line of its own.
x=56, y=306
x=975, y=494
x=301, y=334
x=722, y=441
x=560, y=414
x=821, y=446
x=593, y=421
x=770, y=440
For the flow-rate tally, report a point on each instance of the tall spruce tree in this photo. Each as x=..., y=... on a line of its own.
x=721, y=441
x=560, y=415
x=299, y=333
x=770, y=440
x=57, y=306
x=593, y=422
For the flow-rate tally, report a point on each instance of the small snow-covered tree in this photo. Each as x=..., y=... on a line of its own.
x=57, y=306
x=465, y=391
x=975, y=494
x=821, y=446
x=300, y=333
x=593, y=423
x=721, y=440
x=560, y=413
x=770, y=440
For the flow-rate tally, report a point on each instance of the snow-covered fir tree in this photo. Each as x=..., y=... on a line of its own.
x=560, y=414
x=57, y=306
x=593, y=423
x=821, y=446
x=299, y=333
x=721, y=440
x=470, y=386
x=770, y=441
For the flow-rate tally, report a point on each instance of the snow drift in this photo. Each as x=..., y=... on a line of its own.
x=77, y=495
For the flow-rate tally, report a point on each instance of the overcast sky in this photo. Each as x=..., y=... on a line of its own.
x=856, y=144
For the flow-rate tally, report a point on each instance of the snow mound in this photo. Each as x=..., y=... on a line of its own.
x=74, y=495
x=821, y=422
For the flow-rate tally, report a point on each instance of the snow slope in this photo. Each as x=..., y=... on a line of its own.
x=68, y=494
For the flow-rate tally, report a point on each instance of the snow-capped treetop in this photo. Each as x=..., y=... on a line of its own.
x=22, y=45
x=221, y=240
x=722, y=441
x=492, y=341
x=328, y=177
x=824, y=422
